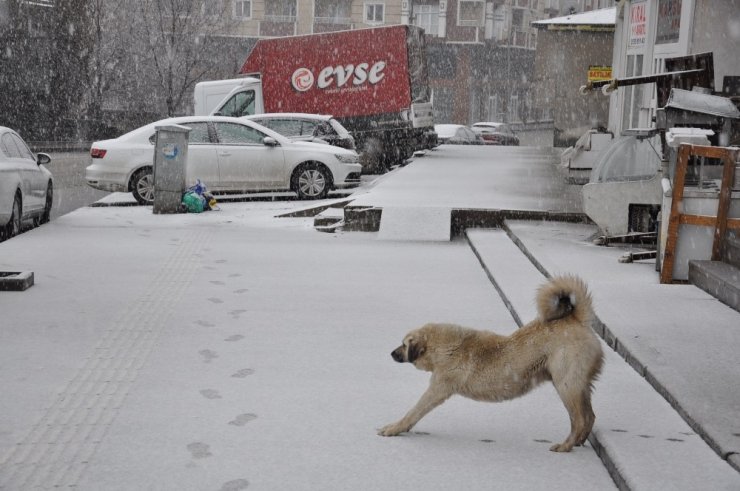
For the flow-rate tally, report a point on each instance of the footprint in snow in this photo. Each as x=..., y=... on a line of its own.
x=243, y=373
x=243, y=419
x=199, y=450
x=235, y=485
x=208, y=355
x=210, y=394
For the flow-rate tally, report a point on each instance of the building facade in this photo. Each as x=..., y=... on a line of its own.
x=649, y=31
x=573, y=49
x=480, y=52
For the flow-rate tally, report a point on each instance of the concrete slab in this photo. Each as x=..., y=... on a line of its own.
x=415, y=223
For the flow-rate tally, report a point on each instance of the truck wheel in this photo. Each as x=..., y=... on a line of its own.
x=142, y=186
x=371, y=157
x=311, y=181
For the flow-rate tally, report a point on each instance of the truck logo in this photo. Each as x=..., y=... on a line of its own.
x=303, y=78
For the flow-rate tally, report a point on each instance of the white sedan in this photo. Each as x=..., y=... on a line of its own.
x=26, y=186
x=227, y=155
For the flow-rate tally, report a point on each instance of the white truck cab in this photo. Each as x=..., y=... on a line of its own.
x=233, y=97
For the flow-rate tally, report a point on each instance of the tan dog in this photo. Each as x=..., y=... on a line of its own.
x=558, y=346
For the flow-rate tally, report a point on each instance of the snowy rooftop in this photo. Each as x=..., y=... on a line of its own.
x=594, y=17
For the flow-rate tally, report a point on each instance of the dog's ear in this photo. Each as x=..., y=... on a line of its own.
x=416, y=349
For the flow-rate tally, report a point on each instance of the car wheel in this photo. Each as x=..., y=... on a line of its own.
x=311, y=181
x=142, y=186
x=13, y=227
x=46, y=215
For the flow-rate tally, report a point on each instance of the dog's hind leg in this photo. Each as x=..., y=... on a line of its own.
x=588, y=412
x=580, y=413
x=432, y=398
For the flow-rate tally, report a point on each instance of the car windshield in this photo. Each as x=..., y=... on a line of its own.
x=446, y=130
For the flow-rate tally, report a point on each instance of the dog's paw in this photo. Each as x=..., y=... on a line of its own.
x=561, y=447
x=391, y=430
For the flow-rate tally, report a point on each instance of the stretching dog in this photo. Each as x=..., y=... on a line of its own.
x=558, y=346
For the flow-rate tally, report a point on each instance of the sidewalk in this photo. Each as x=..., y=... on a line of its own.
x=233, y=349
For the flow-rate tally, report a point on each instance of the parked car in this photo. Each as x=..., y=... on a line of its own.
x=496, y=133
x=26, y=186
x=228, y=155
x=456, y=134
x=307, y=127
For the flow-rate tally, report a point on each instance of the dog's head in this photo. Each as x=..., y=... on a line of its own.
x=413, y=347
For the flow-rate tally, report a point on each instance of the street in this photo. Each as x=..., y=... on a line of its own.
x=71, y=191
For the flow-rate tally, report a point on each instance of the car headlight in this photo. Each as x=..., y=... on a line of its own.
x=347, y=158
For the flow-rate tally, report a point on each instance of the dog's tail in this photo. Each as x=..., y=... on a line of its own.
x=564, y=296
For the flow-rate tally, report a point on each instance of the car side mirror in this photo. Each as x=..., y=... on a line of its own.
x=270, y=141
x=43, y=159
x=153, y=139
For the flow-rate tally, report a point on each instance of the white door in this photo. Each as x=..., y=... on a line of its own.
x=245, y=162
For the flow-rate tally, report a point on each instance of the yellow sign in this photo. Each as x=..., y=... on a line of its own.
x=598, y=73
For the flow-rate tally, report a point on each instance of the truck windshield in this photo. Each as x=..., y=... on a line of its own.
x=239, y=104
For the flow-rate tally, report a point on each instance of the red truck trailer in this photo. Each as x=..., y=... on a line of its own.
x=374, y=81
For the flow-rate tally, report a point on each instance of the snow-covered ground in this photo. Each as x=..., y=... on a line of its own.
x=233, y=348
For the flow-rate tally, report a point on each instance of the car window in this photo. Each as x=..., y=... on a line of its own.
x=323, y=129
x=287, y=127
x=9, y=146
x=198, y=133
x=4, y=147
x=23, y=148
x=240, y=104
x=237, y=134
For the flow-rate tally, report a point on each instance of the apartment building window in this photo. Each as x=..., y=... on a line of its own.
x=427, y=17
x=333, y=11
x=213, y=7
x=514, y=108
x=374, y=13
x=285, y=10
x=243, y=9
x=493, y=114
x=471, y=13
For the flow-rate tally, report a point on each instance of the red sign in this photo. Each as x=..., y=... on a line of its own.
x=638, y=24
x=345, y=73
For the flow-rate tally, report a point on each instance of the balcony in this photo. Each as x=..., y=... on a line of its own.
x=278, y=25
x=329, y=24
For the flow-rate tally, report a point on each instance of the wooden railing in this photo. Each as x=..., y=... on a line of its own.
x=720, y=223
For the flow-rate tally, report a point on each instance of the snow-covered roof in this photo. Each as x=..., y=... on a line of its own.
x=592, y=18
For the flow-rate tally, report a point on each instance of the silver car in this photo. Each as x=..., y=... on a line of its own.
x=26, y=186
x=306, y=127
x=228, y=155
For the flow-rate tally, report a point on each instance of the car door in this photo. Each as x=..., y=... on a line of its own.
x=22, y=159
x=245, y=162
x=202, y=155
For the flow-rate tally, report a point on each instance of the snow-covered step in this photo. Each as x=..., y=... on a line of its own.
x=643, y=441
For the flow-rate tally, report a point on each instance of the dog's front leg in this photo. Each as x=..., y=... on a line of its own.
x=432, y=398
